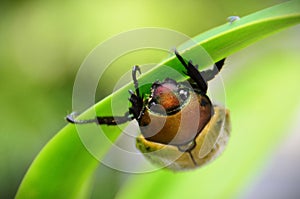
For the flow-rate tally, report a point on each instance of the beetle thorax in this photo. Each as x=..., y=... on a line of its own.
x=175, y=114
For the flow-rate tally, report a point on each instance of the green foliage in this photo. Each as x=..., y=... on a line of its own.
x=63, y=169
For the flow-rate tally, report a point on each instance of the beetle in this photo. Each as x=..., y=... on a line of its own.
x=180, y=127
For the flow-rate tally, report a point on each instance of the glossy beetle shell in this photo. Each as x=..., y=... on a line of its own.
x=210, y=143
x=179, y=128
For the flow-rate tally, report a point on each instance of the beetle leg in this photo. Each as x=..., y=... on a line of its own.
x=193, y=72
x=137, y=105
x=136, y=100
x=136, y=109
x=135, y=82
x=211, y=73
x=108, y=120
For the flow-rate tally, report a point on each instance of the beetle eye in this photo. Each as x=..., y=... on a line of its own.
x=183, y=93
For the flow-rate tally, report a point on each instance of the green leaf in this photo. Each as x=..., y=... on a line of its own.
x=262, y=100
x=63, y=169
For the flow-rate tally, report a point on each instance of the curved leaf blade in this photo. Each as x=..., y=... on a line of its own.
x=64, y=165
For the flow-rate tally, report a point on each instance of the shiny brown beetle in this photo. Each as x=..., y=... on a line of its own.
x=180, y=128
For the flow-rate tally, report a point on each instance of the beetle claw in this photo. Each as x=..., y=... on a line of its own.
x=131, y=92
x=71, y=117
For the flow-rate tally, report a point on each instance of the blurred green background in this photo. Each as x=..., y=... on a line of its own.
x=43, y=43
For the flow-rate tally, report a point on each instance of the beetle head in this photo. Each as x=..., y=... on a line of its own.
x=167, y=96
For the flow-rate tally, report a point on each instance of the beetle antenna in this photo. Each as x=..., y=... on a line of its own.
x=135, y=82
x=179, y=57
x=193, y=72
